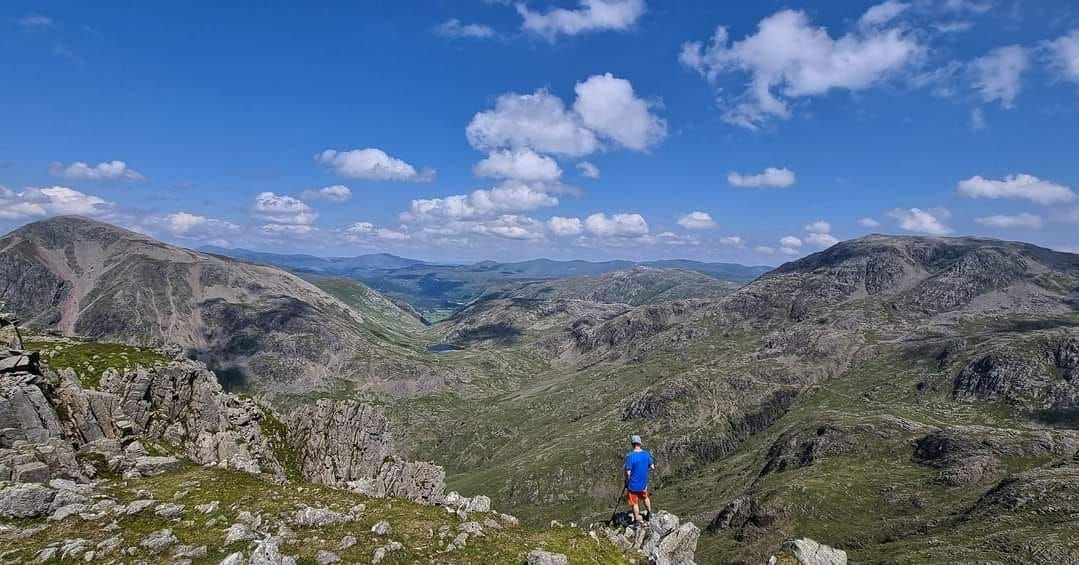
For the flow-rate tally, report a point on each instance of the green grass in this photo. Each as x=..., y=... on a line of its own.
x=412, y=524
x=277, y=434
x=90, y=359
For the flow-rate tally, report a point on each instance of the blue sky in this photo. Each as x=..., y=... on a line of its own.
x=464, y=130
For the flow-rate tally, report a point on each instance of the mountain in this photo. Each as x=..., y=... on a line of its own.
x=438, y=290
x=261, y=327
x=909, y=399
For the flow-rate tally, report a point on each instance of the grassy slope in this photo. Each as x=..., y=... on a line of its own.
x=90, y=359
x=412, y=524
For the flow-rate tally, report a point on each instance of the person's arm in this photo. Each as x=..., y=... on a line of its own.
x=627, y=467
x=651, y=462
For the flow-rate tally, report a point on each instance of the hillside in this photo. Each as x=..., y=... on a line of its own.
x=262, y=328
x=926, y=376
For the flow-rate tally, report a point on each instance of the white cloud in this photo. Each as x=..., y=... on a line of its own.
x=281, y=209
x=538, y=120
x=771, y=177
x=697, y=221
x=510, y=226
x=606, y=109
x=588, y=170
x=819, y=226
x=869, y=223
x=34, y=21
x=106, y=170
x=521, y=164
x=922, y=221
x=193, y=226
x=616, y=225
x=977, y=119
x=732, y=241
x=454, y=28
x=559, y=225
x=1024, y=186
x=1064, y=55
x=50, y=201
x=1023, y=220
x=510, y=196
x=789, y=58
x=790, y=241
x=608, y=106
x=372, y=164
x=998, y=75
x=361, y=232
x=335, y=193
x=590, y=15
x=287, y=230
x=882, y=13
x=821, y=240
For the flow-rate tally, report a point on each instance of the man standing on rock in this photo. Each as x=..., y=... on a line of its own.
x=638, y=464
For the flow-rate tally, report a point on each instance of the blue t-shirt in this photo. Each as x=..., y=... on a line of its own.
x=638, y=463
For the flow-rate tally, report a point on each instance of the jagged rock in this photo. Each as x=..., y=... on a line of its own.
x=809, y=552
x=541, y=557
x=236, y=558
x=346, y=542
x=169, y=510
x=268, y=552
x=65, y=511
x=318, y=517
x=47, y=554
x=208, y=508
x=36, y=472
x=324, y=557
x=238, y=532
x=73, y=548
x=137, y=506
x=346, y=443
x=479, y=503
x=677, y=547
x=190, y=552
x=150, y=465
x=27, y=500
x=159, y=541
x=663, y=542
x=473, y=529
x=108, y=546
x=381, y=528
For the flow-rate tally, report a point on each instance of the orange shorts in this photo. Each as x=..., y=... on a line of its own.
x=637, y=497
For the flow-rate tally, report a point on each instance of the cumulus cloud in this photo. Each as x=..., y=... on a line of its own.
x=50, y=201
x=616, y=225
x=287, y=230
x=1064, y=55
x=521, y=164
x=192, y=226
x=606, y=110
x=280, y=209
x=819, y=234
x=590, y=15
x=453, y=27
x=365, y=232
x=562, y=226
x=998, y=75
x=1023, y=186
x=819, y=226
x=868, y=223
x=588, y=170
x=771, y=177
x=732, y=241
x=1023, y=220
x=922, y=221
x=697, y=221
x=510, y=196
x=608, y=106
x=106, y=170
x=788, y=58
x=335, y=193
x=372, y=164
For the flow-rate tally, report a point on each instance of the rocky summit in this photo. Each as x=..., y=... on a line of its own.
x=887, y=400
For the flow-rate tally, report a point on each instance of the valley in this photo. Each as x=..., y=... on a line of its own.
x=907, y=399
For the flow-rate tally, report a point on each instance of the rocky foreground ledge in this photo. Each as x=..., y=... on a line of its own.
x=159, y=464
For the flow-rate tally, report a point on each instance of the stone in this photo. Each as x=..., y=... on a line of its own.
x=678, y=546
x=238, y=532
x=137, y=506
x=471, y=528
x=268, y=552
x=208, y=508
x=73, y=548
x=190, y=552
x=65, y=511
x=169, y=510
x=324, y=557
x=108, y=546
x=809, y=552
x=46, y=555
x=36, y=472
x=381, y=528
x=151, y=465
x=479, y=504
x=346, y=542
x=25, y=500
x=233, y=559
x=318, y=517
x=159, y=541
x=540, y=557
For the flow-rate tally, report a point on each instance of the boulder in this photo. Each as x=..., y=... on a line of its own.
x=318, y=517
x=540, y=557
x=151, y=465
x=809, y=552
x=381, y=528
x=268, y=552
x=25, y=500
x=159, y=541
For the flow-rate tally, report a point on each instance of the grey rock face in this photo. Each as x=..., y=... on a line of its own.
x=154, y=465
x=347, y=443
x=809, y=552
x=540, y=557
x=28, y=500
x=665, y=541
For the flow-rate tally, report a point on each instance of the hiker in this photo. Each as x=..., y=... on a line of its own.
x=638, y=463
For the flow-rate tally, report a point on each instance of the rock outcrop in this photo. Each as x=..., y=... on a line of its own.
x=347, y=443
x=663, y=540
x=809, y=552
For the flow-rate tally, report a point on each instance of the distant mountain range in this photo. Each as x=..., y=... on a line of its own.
x=436, y=290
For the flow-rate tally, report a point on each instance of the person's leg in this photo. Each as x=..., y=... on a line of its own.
x=636, y=513
x=648, y=503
